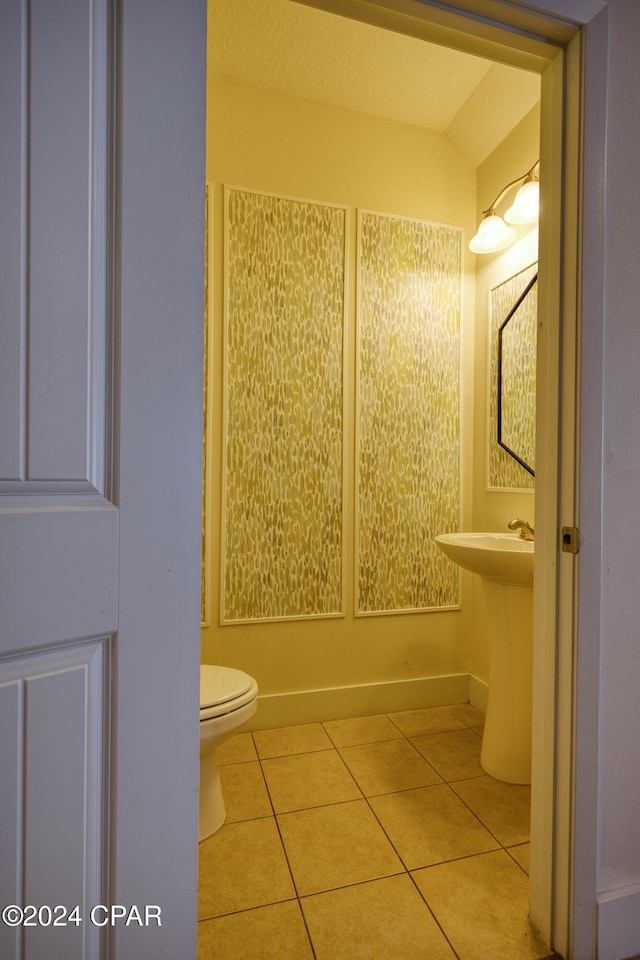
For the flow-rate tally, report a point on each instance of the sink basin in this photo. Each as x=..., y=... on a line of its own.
x=500, y=557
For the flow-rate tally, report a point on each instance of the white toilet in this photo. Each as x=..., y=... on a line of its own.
x=227, y=700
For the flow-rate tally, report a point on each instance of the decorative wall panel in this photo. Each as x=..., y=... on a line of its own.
x=284, y=449
x=504, y=471
x=408, y=418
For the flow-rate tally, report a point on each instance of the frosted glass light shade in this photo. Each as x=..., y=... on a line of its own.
x=525, y=206
x=493, y=235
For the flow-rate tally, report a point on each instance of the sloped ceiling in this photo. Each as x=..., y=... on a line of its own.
x=305, y=52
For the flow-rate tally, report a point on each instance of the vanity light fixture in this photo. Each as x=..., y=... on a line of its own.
x=493, y=233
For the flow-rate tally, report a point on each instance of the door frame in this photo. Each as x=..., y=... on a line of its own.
x=570, y=56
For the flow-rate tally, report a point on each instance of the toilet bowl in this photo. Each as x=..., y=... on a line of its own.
x=227, y=700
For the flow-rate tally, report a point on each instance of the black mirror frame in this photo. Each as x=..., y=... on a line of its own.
x=504, y=446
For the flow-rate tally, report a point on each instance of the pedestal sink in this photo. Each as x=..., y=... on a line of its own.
x=504, y=562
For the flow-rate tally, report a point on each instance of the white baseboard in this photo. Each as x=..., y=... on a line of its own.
x=341, y=703
x=619, y=923
x=478, y=693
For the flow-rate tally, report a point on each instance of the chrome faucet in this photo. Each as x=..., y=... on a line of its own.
x=526, y=530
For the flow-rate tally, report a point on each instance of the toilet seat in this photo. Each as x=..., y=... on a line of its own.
x=223, y=690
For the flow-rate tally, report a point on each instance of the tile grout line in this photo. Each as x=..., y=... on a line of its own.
x=430, y=909
x=461, y=780
x=286, y=856
x=481, y=822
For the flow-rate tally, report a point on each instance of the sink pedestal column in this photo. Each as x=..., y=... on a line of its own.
x=506, y=742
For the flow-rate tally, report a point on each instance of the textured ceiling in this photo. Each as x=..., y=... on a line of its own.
x=299, y=50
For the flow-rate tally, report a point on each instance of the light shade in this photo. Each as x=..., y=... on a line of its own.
x=493, y=235
x=525, y=206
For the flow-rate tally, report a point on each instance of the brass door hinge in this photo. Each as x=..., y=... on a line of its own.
x=570, y=539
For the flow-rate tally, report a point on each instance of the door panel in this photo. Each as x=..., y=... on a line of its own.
x=52, y=718
x=54, y=93
x=12, y=161
x=101, y=325
x=58, y=181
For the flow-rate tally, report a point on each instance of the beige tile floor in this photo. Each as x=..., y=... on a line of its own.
x=378, y=838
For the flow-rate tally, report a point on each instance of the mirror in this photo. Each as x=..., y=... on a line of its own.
x=517, y=378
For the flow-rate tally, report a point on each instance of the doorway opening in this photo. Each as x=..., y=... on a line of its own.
x=546, y=60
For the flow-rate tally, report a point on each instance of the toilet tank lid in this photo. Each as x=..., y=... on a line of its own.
x=220, y=684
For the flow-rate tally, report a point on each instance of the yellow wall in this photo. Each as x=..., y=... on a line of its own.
x=493, y=509
x=261, y=140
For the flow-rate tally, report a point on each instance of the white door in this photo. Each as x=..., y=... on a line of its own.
x=101, y=282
